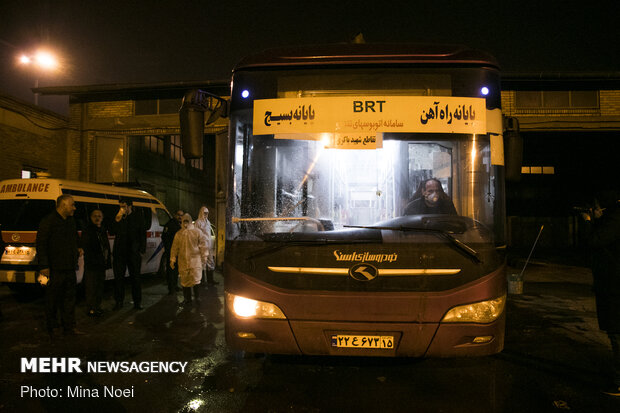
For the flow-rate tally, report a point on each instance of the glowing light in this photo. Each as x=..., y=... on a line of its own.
x=245, y=94
x=42, y=59
x=326, y=139
x=484, y=90
x=472, y=182
x=46, y=60
x=474, y=152
x=311, y=167
x=244, y=307
x=195, y=404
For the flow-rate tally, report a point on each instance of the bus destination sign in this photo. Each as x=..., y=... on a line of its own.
x=358, y=122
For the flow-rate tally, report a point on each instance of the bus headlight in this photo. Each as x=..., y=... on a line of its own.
x=249, y=308
x=480, y=312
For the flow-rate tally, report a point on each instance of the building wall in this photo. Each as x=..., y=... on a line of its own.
x=32, y=137
x=176, y=184
x=578, y=143
x=605, y=117
x=610, y=102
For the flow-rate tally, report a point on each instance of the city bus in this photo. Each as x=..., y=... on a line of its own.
x=24, y=203
x=328, y=145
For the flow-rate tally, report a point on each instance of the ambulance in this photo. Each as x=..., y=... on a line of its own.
x=24, y=203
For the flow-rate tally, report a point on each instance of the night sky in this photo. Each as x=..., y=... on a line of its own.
x=104, y=42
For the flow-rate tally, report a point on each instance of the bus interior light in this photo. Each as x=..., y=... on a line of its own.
x=480, y=312
x=484, y=91
x=245, y=93
x=249, y=308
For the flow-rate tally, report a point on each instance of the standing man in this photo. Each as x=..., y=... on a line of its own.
x=97, y=259
x=57, y=250
x=602, y=227
x=170, y=229
x=129, y=228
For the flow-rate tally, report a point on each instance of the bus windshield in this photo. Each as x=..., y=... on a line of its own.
x=302, y=186
x=412, y=146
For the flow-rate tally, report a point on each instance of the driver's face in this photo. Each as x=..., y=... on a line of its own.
x=432, y=187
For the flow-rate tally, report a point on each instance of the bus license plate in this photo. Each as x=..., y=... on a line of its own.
x=18, y=251
x=355, y=341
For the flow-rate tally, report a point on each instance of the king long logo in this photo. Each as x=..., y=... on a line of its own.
x=363, y=272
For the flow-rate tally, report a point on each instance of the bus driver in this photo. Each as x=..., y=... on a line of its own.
x=433, y=200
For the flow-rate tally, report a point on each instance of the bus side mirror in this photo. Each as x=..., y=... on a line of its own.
x=192, y=131
x=513, y=146
x=197, y=105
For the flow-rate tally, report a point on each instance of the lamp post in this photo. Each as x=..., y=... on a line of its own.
x=42, y=61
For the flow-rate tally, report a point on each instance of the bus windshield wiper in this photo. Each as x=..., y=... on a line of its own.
x=460, y=245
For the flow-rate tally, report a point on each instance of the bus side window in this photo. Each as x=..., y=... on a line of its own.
x=162, y=216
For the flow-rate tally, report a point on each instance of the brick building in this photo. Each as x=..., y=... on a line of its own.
x=32, y=139
x=130, y=133
x=570, y=124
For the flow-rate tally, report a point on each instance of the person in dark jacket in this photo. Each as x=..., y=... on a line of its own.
x=57, y=252
x=433, y=200
x=129, y=228
x=167, y=237
x=602, y=227
x=97, y=258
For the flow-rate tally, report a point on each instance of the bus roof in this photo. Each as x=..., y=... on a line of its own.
x=367, y=54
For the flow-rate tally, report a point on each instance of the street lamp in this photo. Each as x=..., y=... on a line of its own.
x=42, y=61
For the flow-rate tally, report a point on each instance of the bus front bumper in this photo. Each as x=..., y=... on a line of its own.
x=321, y=338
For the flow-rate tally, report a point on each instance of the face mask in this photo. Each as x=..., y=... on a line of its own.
x=432, y=198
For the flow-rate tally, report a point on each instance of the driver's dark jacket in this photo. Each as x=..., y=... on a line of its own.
x=419, y=207
x=57, y=242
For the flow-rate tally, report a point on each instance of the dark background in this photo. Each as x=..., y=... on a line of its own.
x=104, y=42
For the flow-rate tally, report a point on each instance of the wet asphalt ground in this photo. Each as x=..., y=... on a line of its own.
x=555, y=359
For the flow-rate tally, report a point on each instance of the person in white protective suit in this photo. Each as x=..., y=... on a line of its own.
x=190, y=251
x=203, y=224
